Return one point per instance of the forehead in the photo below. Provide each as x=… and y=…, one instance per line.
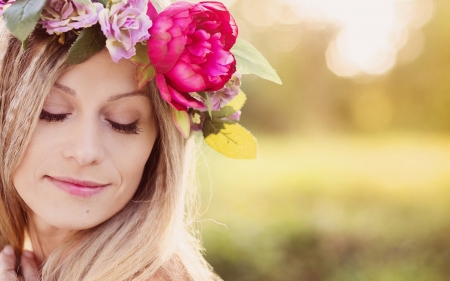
x=100, y=74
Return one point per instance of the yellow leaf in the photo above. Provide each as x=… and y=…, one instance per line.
x=238, y=101
x=230, y=139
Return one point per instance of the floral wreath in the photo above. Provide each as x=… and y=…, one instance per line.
x=191, y=50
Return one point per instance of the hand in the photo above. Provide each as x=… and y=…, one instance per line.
x=28, y=265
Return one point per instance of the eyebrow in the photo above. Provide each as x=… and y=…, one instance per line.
x=73, y=93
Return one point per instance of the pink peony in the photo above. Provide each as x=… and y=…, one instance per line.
x=3, y=3
x=189, y=47
x=125, y=24
x=64, y=15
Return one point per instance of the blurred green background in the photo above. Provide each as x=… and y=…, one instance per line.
x=353, y=176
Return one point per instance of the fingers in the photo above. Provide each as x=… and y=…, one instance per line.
x=7, y=264
x=29, y=266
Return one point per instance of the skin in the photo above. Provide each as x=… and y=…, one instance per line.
x=87, y=145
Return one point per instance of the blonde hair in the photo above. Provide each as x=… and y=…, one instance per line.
x=151, y=236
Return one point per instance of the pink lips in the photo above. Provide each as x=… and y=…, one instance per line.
x=77, y=187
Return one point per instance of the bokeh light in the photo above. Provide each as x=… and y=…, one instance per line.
x=372, y=33
x=369, y=36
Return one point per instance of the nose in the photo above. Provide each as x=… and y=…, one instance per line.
x=84, y=143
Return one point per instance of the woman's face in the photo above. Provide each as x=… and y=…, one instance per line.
x=87, y=154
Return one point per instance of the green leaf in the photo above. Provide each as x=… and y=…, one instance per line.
x=22, y=16
x=83, y=1
x=251, y=61
x=145, y=71
x=90, y=41
x=25, y=43
x=104, y=2
x=203, y=96
x=182, y=122
x=144, y=74
x=231, y=107
x=230, y=139
x=208, y=104
x=141, y=57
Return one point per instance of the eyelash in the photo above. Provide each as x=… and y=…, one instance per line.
x=131, y=129
x=50, y=117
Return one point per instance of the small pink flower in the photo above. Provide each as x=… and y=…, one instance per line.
x=64, y=15
x=125, y=24
x=235, y=117
x=219, y=99
x=190, y=47
x=3, y=3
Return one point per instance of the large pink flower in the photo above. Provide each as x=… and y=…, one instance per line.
x=189, y=47
x=65, y=15
x=124, y=24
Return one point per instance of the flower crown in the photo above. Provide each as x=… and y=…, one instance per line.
x=191, y=50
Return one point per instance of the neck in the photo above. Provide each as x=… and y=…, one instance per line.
x=45, y=237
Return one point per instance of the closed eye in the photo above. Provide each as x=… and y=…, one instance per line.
x=131, y=128
x=50, y=117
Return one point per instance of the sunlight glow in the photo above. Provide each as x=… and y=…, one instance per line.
x=371, y=34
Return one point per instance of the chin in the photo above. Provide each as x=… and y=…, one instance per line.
x=68, y=220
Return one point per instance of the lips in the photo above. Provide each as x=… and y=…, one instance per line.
x=76, y=187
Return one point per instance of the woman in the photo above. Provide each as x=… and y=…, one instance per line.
x=117, y=231
x=94, y=171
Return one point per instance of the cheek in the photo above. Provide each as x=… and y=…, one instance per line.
x=36, y=153
x=25, y=177
x=131, y=161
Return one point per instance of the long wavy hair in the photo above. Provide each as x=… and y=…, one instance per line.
x=152, y=236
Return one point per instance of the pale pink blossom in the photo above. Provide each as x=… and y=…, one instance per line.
x=125, y=24
x=64, y=15
x=219, y=99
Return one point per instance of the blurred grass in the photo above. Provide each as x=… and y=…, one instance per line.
x=330, y=208
x=357, y=203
